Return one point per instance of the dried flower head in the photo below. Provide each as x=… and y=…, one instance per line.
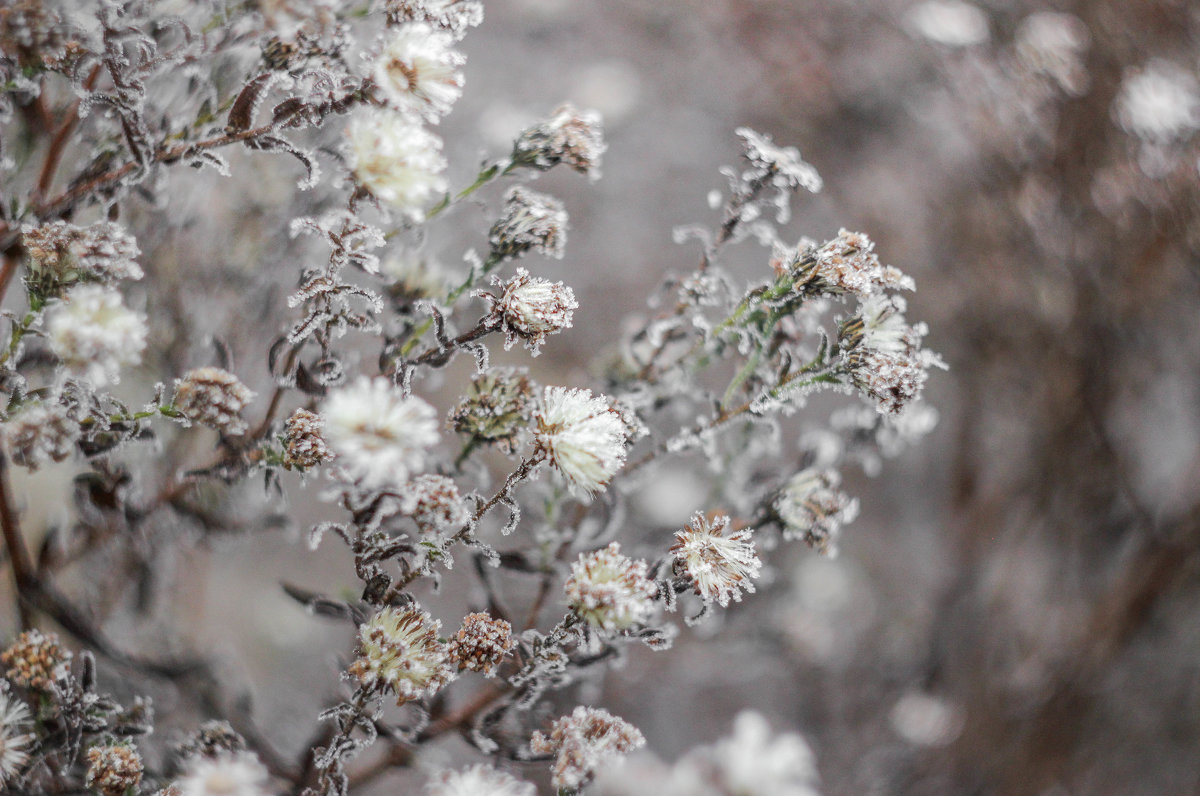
x=213, y=397
x=399, y=651
x=61, y=254
x=419, y=71
x=226, y=774
x=584, y=437
x=478, y=780
x=568, y=136
x=720, y=567
x=482, y=643
x=610, y=590
x=36, y=661
x=94, y=334
x=14, y=741
x=848, y=264
x=397, y=160
x=114, y=769
x=379, y=435
x=213, y=739
x=434, y=503
x=812, y=508
x=584, y=741
x=531, y=221
x=530, y=308
x=781, y=167
x=304, y=441
x=892, y=381
x=452, y=16
x=38, y=433
x=496, y=407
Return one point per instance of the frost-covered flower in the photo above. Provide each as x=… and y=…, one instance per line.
x=478, y=780
x=583, y=742
x=38, y=433
x=14, y=741
x=609, y=590
x=880, y=326
x=583, y=436
x=94, y=334
x=812, y=508
x=530, y=308
x=949, y=22
x=35, y=660
x=379, y=436
x=452, y=16
x=397, y=160
x=224, y=775
x=399, y=651
x=496, y=407
x=434, y=503
x=213, y=397
x=482, y=643
x=419, y=71
x=61, y=253
x=304, y=440
x=569, y=136
x=720, y=567
x=531, y=221
x=114, y=769
x=1159, y=103
x=892, y=380
x=848, y=264
x=754, y=761
x=781, y=166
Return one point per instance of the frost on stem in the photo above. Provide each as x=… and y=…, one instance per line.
x=583, y=742
x=529, y=309
x=397, y=160
x=379, y=436
x=531, y=221
x=585, y=437
x=94, y=334
x=400, y=652
x=213, y=397
x=610, y=591
x=720, y=567
x=812, y=508
x=419, y=71
x=570, y=137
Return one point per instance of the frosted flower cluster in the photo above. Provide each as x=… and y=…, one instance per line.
x=583, y=742
x=584, y=437
x=720, y=566
x=530, y=308
x=213, y=397
x=419, y=71
x=36, y=660
x=226, y=774
x=754, y=761
x=610, y=591
x=478, y=780
x=883, y=353
x=400, y=652
x=94, y=335
x=379, y=436
x=434, y=503
x=304, y=440
x=781, y=166
x=397, y=160
x=482, y=643
x=452, y=16
x=114, y=770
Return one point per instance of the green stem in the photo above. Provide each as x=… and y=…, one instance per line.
x=18, y=332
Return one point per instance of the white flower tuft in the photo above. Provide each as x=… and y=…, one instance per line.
x=378, y=435
x=238, y=774
x=609, y=590
x=94, y=334
x=399, y=650
x=420, y=72
x=478, y=780
x=13, y=740
x=720, y=567
x=397, y=160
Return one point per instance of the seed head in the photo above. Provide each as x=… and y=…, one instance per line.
x=61, y=254
x=399, y=651
x=847, y=264
x=531, y=221
x=36, y=661
x=720, y=567
x=304, y=440
x=213, y=397
x=482, y=643
x=585, y=437
x=568, y=137
x=39, y=433
x=434, y=503
x=609, y=590
x=530, y=308
x=780, y=166
x=812, y=508
x=496, y=407
x=114, y=770
x=584, y=741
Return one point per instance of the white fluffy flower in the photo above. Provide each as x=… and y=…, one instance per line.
x=94, y=334
x=584, y=437
x=1160, y=103
x=720, y=567
x=379, y=436
x=396, y=159
x=224, y=775
x=478, y=780
x=883, y=325
x=419, y=71
x=13, y=741
x=754, y=761
x=610, y=590
x=949, y=22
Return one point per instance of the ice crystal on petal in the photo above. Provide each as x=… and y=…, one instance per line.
x=397, y=160
x=812, y=508
x=94, y=334
x=610, y=590
x=583, y=742
x=419, y=71
x=379, y=436
x=224, y=775
x=719, y=566
x=399, y=651
x=583, y=436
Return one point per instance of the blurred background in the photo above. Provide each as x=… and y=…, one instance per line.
x=1017, y=609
